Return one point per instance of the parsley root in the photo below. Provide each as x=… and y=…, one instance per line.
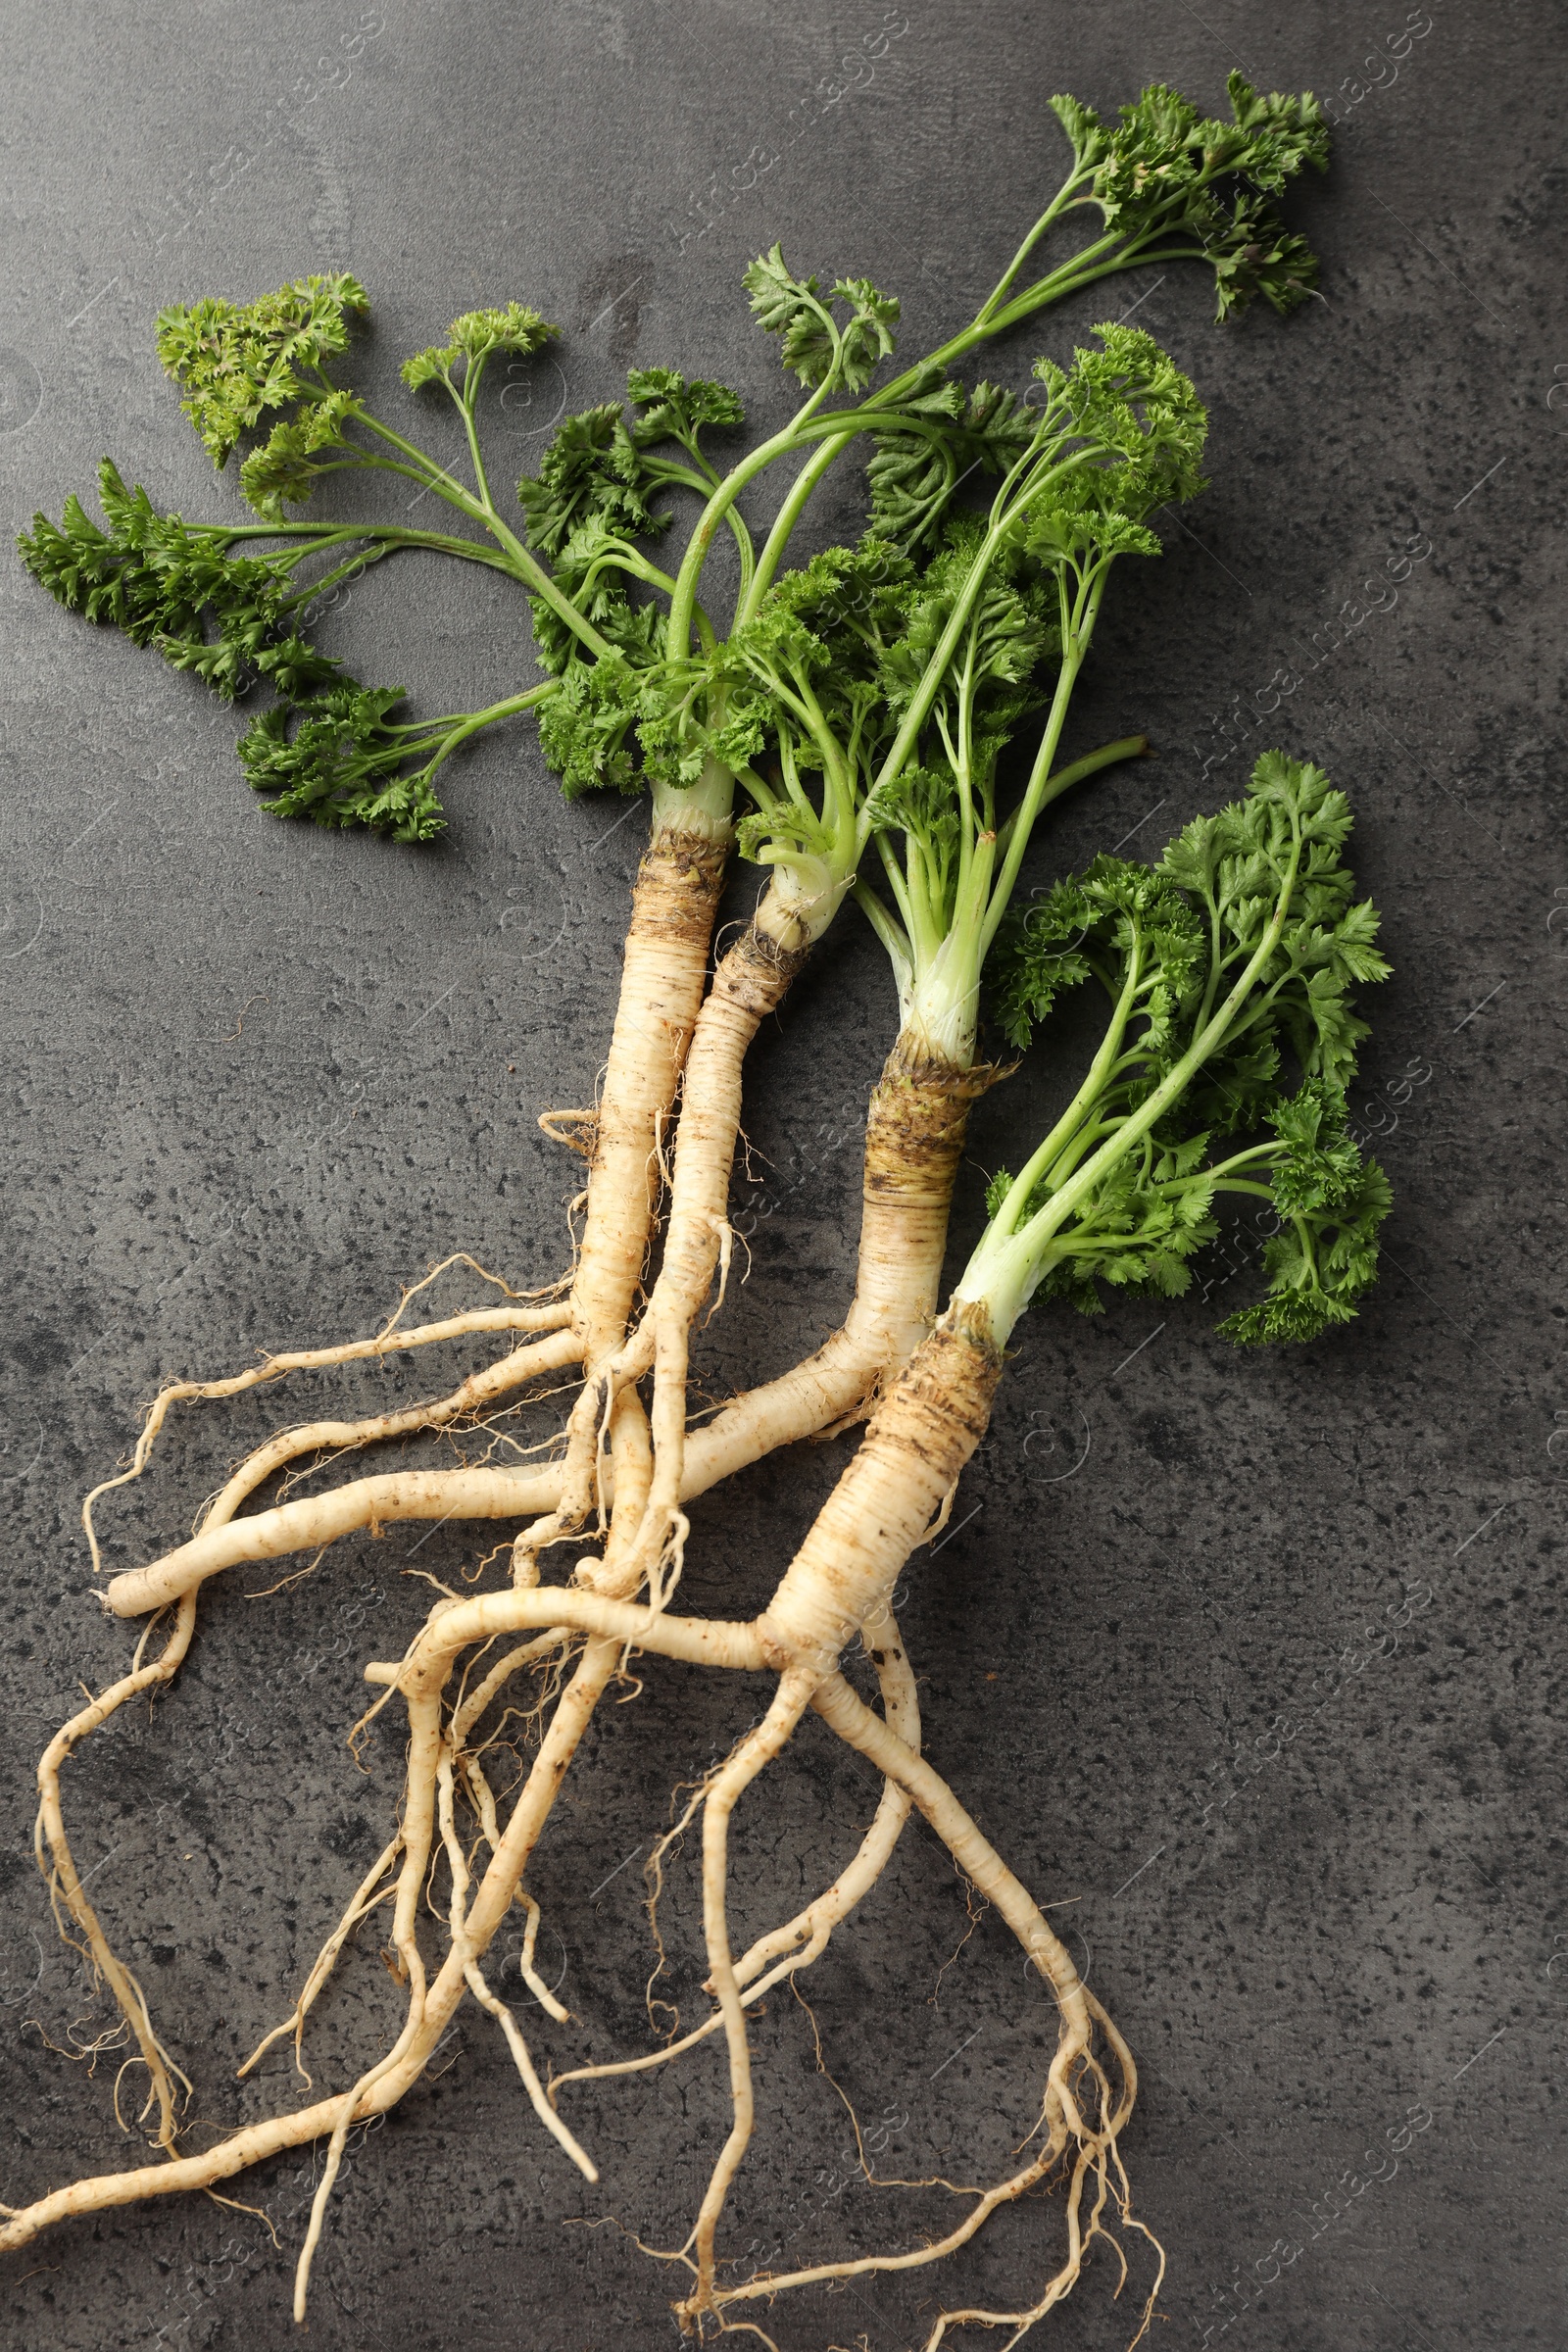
x=843, y=726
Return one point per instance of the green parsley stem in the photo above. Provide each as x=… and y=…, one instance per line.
x=524, y=564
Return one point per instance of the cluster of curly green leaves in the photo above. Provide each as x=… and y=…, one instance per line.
x=261, y=368
x=235, y=360
x=229, y=619
x=336, y=757
x=596, y=494
x=835, y=653
x=1167, y=177
x=1015, y=631
x=803, y=691
x=1164, y=174
x=815, y=682
x=342, y=759
x=956, y=434
x=1184, y=931
x=653, y=710
x=470, y=342
x=325, y=748
x=1132, y=403
x=815, y=342
x=1119, y=435
x=328, y=748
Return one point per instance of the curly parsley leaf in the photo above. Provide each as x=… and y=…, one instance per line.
x=288, y=464
x=1169, y=179
x=814, y=343
x=591, y=471
x=584, y=729
x=1013, y=626
x=1235, y=862
x=1039, y=952
x=1325, y=1254
x=472, y=339
x=1241, y=945
x=340, y=760
x=1130, y=401
x=235, y=360
x=228, y=620
x=674, y=409
x=953, y=435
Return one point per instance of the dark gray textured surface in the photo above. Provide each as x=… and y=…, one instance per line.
x=256, y=1077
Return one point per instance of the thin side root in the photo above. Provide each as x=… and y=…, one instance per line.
x=474, y=1974
x=368, y=1893
x=525, y=2067
x=804, y=1938
x=529, y=1974
x=752, y=1755
x=1084, y=2112
x=549, y=1354
x=388, y=1340
x=64, y=1883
